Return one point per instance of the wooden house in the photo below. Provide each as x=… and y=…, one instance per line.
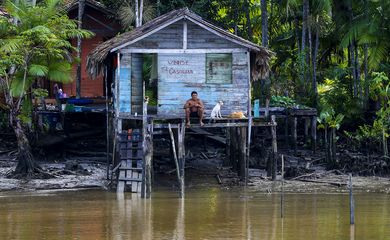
x=185, y=53
x=189, y=54
x=98, y=19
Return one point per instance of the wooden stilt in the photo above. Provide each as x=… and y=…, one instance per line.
x=294, y=132
x=121, y=184
x=306, y=132
x=242, y=138
x=233, y=148
x=148, y=160
x=175, y=156
x=274, y=148
x=286, y=138
x=248, y=147
x=181, y=156
x=314, y=133
x=226, y=161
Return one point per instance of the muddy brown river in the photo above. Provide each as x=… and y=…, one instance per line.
x=209, y=213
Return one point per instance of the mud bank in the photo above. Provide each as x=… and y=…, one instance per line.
x=93, y=175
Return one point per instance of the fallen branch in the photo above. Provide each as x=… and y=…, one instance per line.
x=326, y=182
x=311, y=174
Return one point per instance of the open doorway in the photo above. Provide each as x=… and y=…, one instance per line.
x=150, y=77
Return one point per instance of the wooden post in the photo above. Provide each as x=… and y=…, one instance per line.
x=149, y=160
x=274, y=148
x=175, y=155
x=314, y=133
x=242, y=138
x=351, y=202
x=145, y=144
x=181, y=155
x=307, y=126
x=294, y=132
x=233, y=147
x=266, y=113
x=121, y=184
x=250, y=120
x=286, y=138
x=226, y=161
x=282, y=195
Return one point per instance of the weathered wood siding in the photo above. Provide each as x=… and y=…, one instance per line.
x=167, y=38
x=136, y=83
x=180, y=74
x=199, y=37
x=177, y=81
x=124, y=84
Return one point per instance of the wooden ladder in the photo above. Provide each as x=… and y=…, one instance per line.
x=131, y=161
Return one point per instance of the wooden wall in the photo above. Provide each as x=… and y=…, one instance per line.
x=181, y=73
x=176, y=82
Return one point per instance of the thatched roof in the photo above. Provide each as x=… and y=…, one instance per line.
x=3, y=12
x=73, y=4
x=96, y=58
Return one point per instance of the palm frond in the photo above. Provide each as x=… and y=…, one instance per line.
x=377, y=54
x=38, y=70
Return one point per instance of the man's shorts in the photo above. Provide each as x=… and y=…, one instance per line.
x=194, y=114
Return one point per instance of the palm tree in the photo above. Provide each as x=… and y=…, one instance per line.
x=264, y=23
x=37, y=46
x=136, y=13
x=80, y=15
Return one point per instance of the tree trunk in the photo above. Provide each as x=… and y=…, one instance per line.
x=352, y=66
x=141, y=10
x=309, y=54
x=137, y=13
x=365, y=62
x=327, y=157
x=81, y=6
x=314, y=83
x=357, y=69
x=248, y=20
x=264, y=23
x=235, y=17
x=26, y=164
x=333, y=142
x=366, y=85
x=304, y=30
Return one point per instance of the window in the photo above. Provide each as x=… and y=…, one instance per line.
x=219, y=68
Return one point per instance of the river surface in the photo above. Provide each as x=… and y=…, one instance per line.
x=209, y=213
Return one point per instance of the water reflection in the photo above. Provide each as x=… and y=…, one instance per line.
x=203, y=214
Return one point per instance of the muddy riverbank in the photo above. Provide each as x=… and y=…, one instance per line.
x=93, y=175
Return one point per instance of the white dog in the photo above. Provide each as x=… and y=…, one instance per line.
x=216, y=113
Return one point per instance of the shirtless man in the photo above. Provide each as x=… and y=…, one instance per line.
x=194, y=108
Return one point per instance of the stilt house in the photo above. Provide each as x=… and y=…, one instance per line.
x=187, y=54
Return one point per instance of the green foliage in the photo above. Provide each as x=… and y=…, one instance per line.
x=329, y=119
x=283, y=101
x=36, y=47
x=34, y=44
x=39, y=92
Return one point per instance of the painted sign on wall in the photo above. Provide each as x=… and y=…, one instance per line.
x=183, y=67
x=219, y=68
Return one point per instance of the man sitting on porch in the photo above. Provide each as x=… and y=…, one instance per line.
x=194, y=108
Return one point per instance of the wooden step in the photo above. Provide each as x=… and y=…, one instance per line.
x=130, y=179
x=131, y=158
x=130, y=168
x=131, y=148
x=129, y=141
